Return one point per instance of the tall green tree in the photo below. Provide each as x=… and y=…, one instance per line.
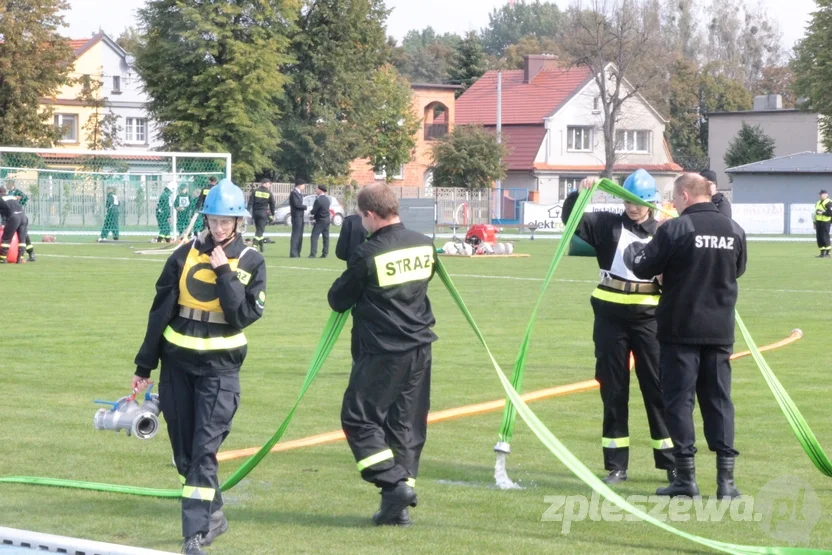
x=426, y=57
x=212, y=73
x=812, y=67
x=390, y=121
x=34, y=63
x=130, y=40
x=470, y=156
x=510, y=23
x=470, y=63
x=750, y=145
x=683, y=126
x=336, y=49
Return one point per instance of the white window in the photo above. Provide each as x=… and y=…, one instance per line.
x=116, y=83
x=135, y=130
x=579, y=138
x=68, y=124
x=383, y=174
x=632, y=141
x=567, y=185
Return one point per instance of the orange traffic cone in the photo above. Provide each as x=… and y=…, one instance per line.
x=12, y=257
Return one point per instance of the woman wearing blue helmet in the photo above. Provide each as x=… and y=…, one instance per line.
x=625, y=322
x=208, y=292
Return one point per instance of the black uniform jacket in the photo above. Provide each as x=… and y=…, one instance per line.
x=296, y=205
x=241, y=296
x=386, y=285
x=700, y=255
x=722, y=204
x=320, y=209
x=352, y=234
x=261, y=200
x=9, y=206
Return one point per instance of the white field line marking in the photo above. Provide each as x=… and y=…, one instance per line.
x=473, y=276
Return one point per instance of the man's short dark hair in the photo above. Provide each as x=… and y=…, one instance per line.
x=695, y=185
x=300, y=180
x=379, y=199
x=321, y=188
x=265, y=180
x=710, y=175
x=213, y=180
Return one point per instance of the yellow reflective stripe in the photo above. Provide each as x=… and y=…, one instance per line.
x=405, y=265
x=665, y=443
x=615, y=442
x=202, y=494
x=261, y=194
x=624, y=298
x=182, y=479
x=411, y=482
x=375, y=459
x=204, y=343
x=5, y=244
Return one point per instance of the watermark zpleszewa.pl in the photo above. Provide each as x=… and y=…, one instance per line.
x=786, y=508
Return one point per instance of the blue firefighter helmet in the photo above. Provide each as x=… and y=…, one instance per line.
x=225, y=199
x=642, y=185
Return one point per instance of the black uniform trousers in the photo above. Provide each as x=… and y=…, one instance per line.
x=297, y=234
x=617, y=333
x=704, y=372
x=198, y=410
x=16, y=223
x=321, y=228
x=822, y=233
x=261, y=220
x=385, y=414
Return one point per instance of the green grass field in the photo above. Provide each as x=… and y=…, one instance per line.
x=74, y=320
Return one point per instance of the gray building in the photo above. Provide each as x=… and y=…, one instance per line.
x=792, y=131
x=790, y=180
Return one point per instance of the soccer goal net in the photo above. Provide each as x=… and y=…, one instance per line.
x=85, y=192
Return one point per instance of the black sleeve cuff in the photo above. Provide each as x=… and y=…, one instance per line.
x=224, y=269
x=143, y=372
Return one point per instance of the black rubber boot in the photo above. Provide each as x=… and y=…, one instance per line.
x=615, y=477
x=402, y=520
x=725, y=488
x=685, y=482
x=393, y=501
x=671, y=475
x=218, y=526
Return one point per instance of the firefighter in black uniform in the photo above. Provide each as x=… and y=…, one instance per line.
x=200, y=201
x=385, y=407
x=14, y=221
x=261, y=205
x=297, y=211
x=625, y=308
x=322, y=217
x=24, y=198
x=209, y=290
x=717, y=198
x=821, y=220
x=700, y=255
x=351, y=236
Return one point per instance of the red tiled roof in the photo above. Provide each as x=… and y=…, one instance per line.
x=523, y=142
x=523, y=103
x=75, y=44
x=68, y=156
x=670, y=167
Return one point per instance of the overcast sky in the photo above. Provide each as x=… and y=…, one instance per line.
x=86, y=16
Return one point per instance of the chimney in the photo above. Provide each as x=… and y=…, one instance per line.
x=534, y=64
x=768, y=102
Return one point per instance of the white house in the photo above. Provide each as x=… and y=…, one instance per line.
x=552, y=124
x=103, y=60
